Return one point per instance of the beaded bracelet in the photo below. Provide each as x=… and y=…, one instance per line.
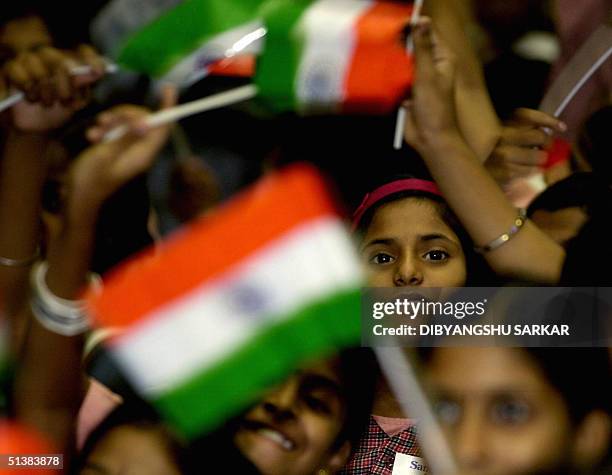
x=519, y=221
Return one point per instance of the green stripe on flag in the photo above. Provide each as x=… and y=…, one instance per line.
x=234, y=383
x=279, y=62
x=158, y=46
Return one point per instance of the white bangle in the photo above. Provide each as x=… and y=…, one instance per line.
x=62, y=316
x=10, y=262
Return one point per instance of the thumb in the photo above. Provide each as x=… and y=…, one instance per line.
x=168, y=99
x=410, y=128
x=444, y=61
x=169, y=96
x=424, y=50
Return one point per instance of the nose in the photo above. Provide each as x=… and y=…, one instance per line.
x=281, y=402
x=408, y=273
x=470, y=439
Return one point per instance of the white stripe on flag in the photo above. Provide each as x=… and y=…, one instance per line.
x=313, y=261
x=328, y=32
x=192, y=68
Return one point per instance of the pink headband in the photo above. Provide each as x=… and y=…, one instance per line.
x=397, y=186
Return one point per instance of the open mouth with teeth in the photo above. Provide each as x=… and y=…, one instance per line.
x=270, y=433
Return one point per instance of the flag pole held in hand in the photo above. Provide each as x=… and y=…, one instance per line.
x=400, y=121
x=173, y=114
x=18, y=96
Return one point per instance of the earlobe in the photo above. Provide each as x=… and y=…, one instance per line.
x=592, y=439
x=337, y=459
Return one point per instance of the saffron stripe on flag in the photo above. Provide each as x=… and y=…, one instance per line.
x=311, y=261
x=294, y=196
x=210, y=349
x=327, y=30
x=371, y=71
x=334, y=56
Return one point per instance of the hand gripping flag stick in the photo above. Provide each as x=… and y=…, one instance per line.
x=18, y=96
x=400, y=121
x=173, y=114
x=595, y=51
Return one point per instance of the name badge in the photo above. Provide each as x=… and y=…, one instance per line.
x=408, y=465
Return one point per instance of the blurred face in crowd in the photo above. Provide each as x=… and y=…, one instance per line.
x=502, y=416
x=409, y=244
x=294, y=430
x=131, y=450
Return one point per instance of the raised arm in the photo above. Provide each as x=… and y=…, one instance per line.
x=470, y=190
x=53, y=96
x=50, y=381
x=452, y=20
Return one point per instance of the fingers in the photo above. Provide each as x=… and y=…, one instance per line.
x=17, y=75
x=445, y=62
x=169, y=96
x=504, y=172
x=126, y=115
x=90, y=57
x=521, y=156
x=168, y=99
x=42, y=75
x=45, y=75
x=525, y=137
x=534, y=118
x=410, y=127
x=424, y=50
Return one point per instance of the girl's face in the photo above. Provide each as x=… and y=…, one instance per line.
x=293, y=430
x=499, y=412
x=409, y=244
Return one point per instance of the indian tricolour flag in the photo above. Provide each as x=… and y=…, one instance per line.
x=236, y=301
x=334, y=55
x=184, y=42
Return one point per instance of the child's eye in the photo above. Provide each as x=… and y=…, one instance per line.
x=511, y=412
x=448, y=412
x=436, y=255
x=317, y=404
x=382, y=258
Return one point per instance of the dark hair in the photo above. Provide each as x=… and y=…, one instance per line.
x=591, y=193
x=477, y=270
x=188, y=457
x=17, y=10
x=139, y=415
x=582, y=189
x=594, y=142
x=581, y=375
x=580, y=267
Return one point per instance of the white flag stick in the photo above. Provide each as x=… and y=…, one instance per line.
x=587, y=60
x=173, y=114
x=400, y=120
x=407, y=390
x=582, y=82
x=11, y=100
x=18, y=96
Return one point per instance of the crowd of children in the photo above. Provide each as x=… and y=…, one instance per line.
x=454, y=207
